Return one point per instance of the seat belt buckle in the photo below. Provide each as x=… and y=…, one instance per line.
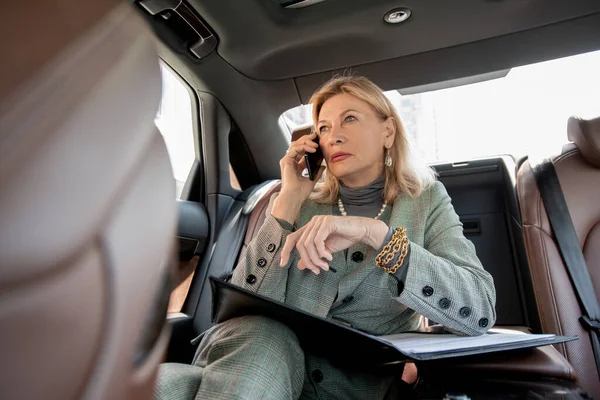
x=590, y=324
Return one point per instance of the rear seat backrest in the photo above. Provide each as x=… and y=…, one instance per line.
x=578, y=169
x=483, y=195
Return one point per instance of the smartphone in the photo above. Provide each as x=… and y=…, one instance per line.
x=313, y=160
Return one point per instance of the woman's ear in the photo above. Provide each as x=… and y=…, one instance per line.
x=390, y=131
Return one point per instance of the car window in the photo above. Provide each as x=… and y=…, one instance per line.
x=233, y=180
x=174, y=121
x=523, y=113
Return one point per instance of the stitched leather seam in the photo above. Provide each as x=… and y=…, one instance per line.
x=564, y=156
x=538, y=209
x=534, y=273
x=551, y=289
x=588, y=235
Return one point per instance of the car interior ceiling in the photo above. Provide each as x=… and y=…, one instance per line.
x=270, y=58
x=265, y=63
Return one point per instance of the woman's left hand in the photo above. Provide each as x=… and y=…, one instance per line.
x=327, y=234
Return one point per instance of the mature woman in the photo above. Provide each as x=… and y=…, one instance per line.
x=382, y=222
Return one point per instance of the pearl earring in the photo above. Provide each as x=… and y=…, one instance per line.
x=388, y=158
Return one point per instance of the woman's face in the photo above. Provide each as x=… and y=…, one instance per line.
x=353, y=138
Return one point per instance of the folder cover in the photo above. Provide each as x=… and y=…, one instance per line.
x=347, y=346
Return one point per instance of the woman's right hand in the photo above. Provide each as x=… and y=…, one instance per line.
x=292, y=165
x=295, y=188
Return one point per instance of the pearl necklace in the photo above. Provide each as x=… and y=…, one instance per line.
x=345, y=214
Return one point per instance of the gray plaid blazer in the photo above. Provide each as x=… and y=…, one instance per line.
x=445, y=281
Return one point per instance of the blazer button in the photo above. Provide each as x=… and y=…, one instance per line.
x=483, y=323
x=464, y=312
x=271, y=248
x=251, y=279
x=357, y=256
x=427, y=291
x=444, y=303
x=261, y=262
x=317, y=376
x=348, y=299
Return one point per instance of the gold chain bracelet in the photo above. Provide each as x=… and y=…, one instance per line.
x=398, y=244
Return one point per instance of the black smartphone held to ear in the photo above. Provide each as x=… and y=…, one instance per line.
x=313, y=160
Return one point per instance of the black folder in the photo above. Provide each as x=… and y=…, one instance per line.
x=347, y=346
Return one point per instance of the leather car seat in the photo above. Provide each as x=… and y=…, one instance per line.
x=87, y=203
x=578, y=169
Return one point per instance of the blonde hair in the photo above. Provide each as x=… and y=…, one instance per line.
x=407, y=175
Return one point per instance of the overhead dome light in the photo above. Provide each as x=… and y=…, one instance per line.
x=397, y=15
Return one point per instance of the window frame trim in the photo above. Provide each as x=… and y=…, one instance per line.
x=193, y=187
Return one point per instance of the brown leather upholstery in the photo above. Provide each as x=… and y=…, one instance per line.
x=87, y=203
x=586, y=134
x=578, y=170
x=529, y=364
x=532, y=364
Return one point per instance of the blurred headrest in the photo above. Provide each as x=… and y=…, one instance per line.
x=586, y=135
x=43, y=29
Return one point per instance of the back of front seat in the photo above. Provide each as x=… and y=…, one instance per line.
x=578, y=169
x=87, y=203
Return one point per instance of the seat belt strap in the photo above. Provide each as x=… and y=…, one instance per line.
x=570, y=250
